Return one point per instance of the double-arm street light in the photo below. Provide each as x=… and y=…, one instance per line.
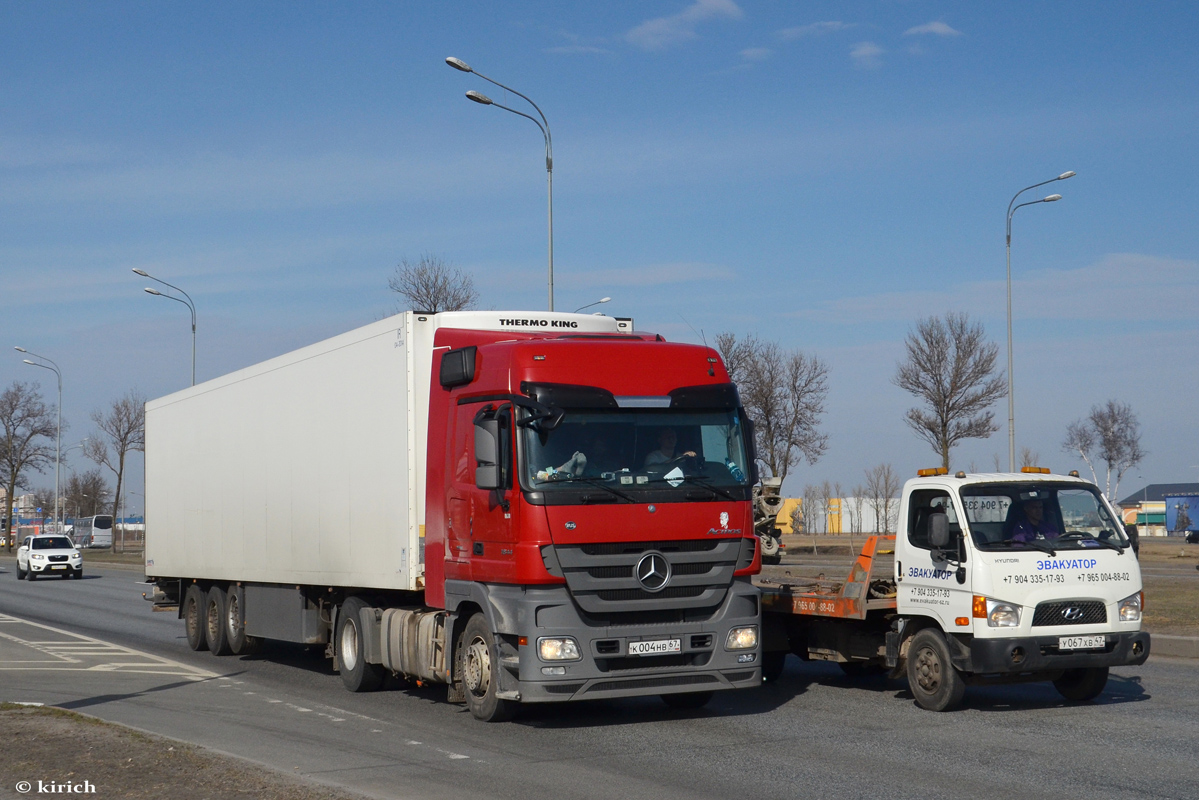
x=1011, y=389
x=544, y=125
x=187, y=302
x=58, y=443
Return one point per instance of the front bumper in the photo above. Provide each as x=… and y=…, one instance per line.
x=54, y=569
x=1041, y=654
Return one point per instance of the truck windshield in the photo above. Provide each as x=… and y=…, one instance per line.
x=633, y=451
x=1037, y=516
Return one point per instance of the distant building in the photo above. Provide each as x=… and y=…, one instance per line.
x=1146, y=508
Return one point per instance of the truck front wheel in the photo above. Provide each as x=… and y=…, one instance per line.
x=934, y=682
x=1082, y=684
x=480, y=673
x=356, y=673
x=193, y=617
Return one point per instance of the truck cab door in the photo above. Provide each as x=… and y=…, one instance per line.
x=933, y=581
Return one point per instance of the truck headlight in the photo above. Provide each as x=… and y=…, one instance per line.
x=745, y=638
x=558, y=649
x=1130, y=608
x=1002, y=615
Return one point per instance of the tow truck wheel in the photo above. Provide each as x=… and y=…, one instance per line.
x=687, y=700
x=214, y=621
x=356, y=673
x=1082, y=684
x=480, y=673
x=934, y=682
x=193, y=618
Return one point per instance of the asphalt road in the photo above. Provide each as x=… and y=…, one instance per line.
x=94, y=646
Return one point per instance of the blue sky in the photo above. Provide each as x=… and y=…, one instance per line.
x=822, y=174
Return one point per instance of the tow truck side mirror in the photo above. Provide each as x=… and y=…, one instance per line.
x=938, y=530
x=487, y=453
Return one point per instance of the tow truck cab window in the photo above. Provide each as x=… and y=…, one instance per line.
x=923, y=504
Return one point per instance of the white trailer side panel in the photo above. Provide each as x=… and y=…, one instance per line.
x=302, y=469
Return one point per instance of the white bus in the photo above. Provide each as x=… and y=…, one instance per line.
x=93, y=531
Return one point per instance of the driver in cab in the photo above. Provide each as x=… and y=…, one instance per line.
x=1034, y=523
x=667, y=440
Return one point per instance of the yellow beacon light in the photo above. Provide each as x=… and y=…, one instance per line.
x=931, y=471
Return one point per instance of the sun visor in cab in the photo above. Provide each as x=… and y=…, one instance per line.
x=712, y=395
x=565, y=395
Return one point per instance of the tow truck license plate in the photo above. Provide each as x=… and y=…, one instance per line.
x=656, y=647
x=1080, y=643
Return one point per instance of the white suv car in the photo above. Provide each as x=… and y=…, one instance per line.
x=48, y=555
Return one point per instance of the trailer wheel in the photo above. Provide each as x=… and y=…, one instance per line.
x=1082, y=684
x=934, y=682
x=235, y=625
x=356, y=673
x=773, y=662
x=687, y=700
x=214, y=621
x=481, y=673
x=193, y=617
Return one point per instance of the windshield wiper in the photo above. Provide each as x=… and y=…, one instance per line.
x=706, y=482
x=1084, y=536
x=1044, y=548
x=590, y=482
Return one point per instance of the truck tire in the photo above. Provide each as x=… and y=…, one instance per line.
x=193, y=617
x=240, y=644
x=214, y=621
x=356, y=673
x=1082, y=684
x=687, y=700
x=773, y=662
x=770, y=550
x=933, y=681
x=481, y=673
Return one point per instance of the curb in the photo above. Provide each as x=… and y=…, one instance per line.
x=1163, y=644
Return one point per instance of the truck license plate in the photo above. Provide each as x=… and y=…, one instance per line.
x=656, y=648
x=1080, y=643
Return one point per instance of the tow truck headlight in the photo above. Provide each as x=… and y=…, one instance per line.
x=745, y=638
x=1002, y=615
x=558, y=649
x=1130, y=608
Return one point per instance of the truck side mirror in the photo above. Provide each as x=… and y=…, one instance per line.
x=487, y=453
x=938, y=530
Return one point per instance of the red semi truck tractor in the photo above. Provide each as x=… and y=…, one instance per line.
x=527, y=507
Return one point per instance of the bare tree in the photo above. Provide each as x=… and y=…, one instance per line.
x=1029, y=457
x=122, y=430
x=433, y=285
x=882, y=484
x=950, y=366
x=859, y=496
x=28, y=442
x=85, y=492
x=1111, y=434
x=783, y=392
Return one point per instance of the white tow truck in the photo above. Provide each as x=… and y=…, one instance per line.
x=995, y=578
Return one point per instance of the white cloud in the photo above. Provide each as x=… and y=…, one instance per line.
x=756, y=53
x=934, y=28
x=576, y=49
x=866, y=55
x=814, y=29
x=662, y=32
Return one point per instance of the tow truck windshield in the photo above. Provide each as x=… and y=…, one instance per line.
x=1040, y=516
x=630, y=452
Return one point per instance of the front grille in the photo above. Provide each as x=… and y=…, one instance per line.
x=640, y=594
x=1080, y=612
x=649, y=662
x=602, y=576
x=58, y=558
x=562, y=688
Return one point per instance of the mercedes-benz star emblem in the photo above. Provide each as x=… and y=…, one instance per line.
x=1072, y=613
x=653, y=572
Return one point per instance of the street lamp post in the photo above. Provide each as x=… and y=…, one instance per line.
x=188, y=302
x=544, y=125
x=596, y=303
x=58, y=442
x=1011, y=386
